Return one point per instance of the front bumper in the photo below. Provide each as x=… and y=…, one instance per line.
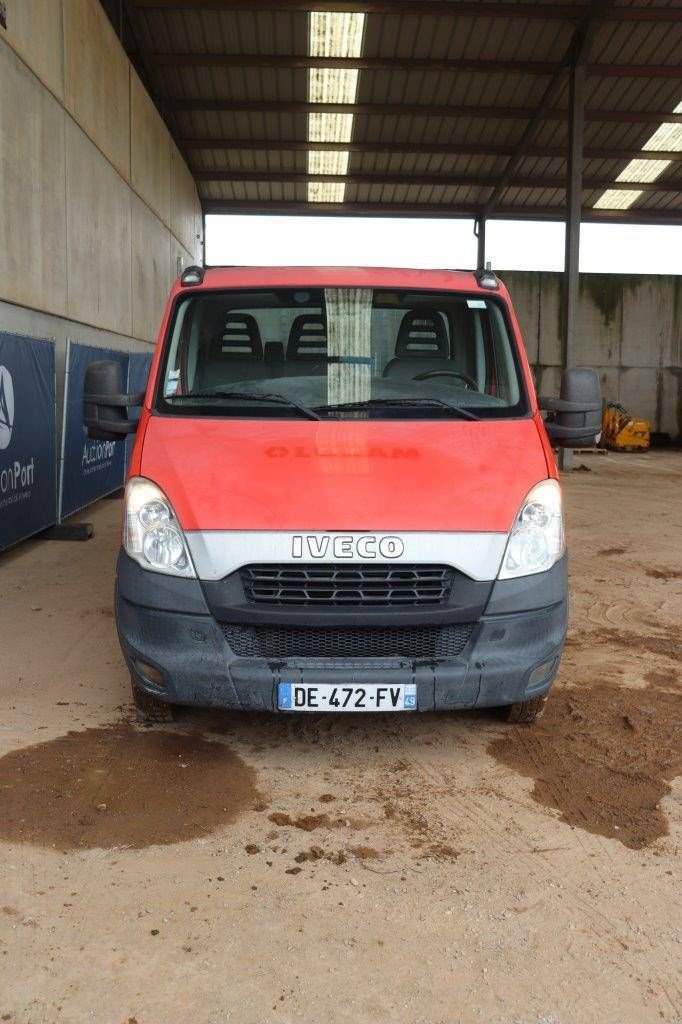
x=512, y=654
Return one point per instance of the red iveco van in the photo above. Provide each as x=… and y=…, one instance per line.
x=342, y=496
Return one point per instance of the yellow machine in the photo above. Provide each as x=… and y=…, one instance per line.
x=621, y=433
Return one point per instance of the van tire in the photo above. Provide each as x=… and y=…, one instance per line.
x=151, y=710
x=525, y=712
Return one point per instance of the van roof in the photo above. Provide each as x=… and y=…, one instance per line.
x=359, y=277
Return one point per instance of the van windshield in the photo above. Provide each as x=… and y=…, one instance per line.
x=341, y=353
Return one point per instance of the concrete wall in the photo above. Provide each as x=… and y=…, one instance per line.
x=97, y=203
x=630, y=331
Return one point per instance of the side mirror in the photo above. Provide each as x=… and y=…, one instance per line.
x=575, y=417
x=104, y=404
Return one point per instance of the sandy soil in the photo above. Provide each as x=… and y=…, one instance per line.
x=415, y=869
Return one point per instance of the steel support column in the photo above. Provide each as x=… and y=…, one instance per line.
x=479, y=231
x=574, y=187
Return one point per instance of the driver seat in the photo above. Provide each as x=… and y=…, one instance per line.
x=422, y=345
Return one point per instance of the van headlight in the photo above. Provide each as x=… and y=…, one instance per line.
x=536, y=540
x=152, y=534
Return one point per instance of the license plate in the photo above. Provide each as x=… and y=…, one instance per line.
x=328, y=697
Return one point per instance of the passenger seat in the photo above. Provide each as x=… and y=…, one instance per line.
x=235, y=353
x=422, y=345
x=308, y=343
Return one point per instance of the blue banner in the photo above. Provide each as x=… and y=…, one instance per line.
x=90, y=469
x=28, y=491
x=139, y=366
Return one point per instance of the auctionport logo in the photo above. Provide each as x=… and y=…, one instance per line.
x=6, y=407
x=16, y=478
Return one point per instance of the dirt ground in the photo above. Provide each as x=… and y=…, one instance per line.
x=411, y=869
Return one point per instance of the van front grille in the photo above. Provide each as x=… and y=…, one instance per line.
x=335, y=585
x=348, y=642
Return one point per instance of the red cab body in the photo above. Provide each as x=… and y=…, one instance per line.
x=310, y=493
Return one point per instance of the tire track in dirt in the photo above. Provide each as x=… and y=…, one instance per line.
x=603, y=927
x=604, y=756
x=580, y=771
x=582, y=775
x=591, y=863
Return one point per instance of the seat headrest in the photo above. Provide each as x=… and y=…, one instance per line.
x=239, y=338
x=307, y=338
x=422, y=333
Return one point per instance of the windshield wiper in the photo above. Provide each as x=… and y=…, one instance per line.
x=250, y=396
x=400, y=403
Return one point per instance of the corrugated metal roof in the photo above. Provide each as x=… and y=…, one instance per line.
x=217, y=113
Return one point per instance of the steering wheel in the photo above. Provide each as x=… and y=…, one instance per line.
x=448, y=373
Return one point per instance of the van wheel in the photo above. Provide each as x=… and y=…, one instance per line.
x=151, y=710
x=525, y=711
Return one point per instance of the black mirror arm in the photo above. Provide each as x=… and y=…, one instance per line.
x=557, y=432
x=121, y=427
x=120, y=401
x=563, y=405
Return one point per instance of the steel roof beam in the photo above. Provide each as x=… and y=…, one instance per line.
x=444, y=210
x=420, y=148
x=452, y=180
x=417, y=110
x=520, y=67
x=576, y=53
x=434, y=8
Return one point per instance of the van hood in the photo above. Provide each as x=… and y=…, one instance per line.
x=230, y=474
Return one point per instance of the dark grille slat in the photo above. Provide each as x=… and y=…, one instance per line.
x=334, y=584
x=347, y=642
